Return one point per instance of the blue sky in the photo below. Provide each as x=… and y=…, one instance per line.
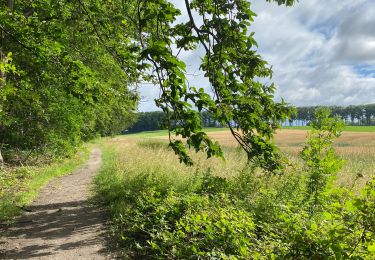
x=322, y=52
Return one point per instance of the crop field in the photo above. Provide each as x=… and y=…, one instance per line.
x=356, y=147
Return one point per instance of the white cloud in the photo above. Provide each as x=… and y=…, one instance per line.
x=322, y=52
x=316, y=48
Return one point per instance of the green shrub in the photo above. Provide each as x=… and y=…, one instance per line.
x=212, y=231
x=319, y=156
x=213, y=185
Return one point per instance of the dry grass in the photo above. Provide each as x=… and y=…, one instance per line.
x=357, y=148
x=153, y=155
x=349, y=142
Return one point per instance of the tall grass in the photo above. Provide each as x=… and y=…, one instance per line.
x=217, y=209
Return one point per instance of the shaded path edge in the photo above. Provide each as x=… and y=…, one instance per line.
x=62, y=223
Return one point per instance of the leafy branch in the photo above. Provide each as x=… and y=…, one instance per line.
x=232, y=66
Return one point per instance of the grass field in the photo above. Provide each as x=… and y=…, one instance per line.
x=355, y=145
x=214, y=129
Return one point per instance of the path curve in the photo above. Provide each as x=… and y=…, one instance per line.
x=61, y=223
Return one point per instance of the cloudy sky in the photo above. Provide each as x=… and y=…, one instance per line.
x=322, y=52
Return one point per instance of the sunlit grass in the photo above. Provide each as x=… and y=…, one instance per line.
x=357, y=148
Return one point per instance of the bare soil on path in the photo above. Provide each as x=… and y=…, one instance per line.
x=61, y=223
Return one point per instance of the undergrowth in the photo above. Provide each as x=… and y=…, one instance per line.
x=163, y=210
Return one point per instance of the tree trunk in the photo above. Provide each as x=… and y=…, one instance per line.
x=3, y=55
x=11, y=4
x=1, y=159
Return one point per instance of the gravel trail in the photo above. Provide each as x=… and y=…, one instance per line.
x=60, y=223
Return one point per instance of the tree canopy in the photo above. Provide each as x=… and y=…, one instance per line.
x=67, y=67
x=60, y=84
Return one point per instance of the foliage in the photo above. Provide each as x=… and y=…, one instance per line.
x=148, y=121
x=67, y=88
x=208, y=230
x=231, y=65
x=319, y=155
x=72, y=86
x=366, y=218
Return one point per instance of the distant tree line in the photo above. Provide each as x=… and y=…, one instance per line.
x=148, y=121
x=363, y=115
x=156, y=120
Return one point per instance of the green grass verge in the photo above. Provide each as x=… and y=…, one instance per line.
x=19, y=186
x=148, y=134
x=157, y=133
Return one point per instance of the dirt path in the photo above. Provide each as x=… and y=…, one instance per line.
x=61, y=223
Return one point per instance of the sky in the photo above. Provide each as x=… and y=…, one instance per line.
x=321, y=52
